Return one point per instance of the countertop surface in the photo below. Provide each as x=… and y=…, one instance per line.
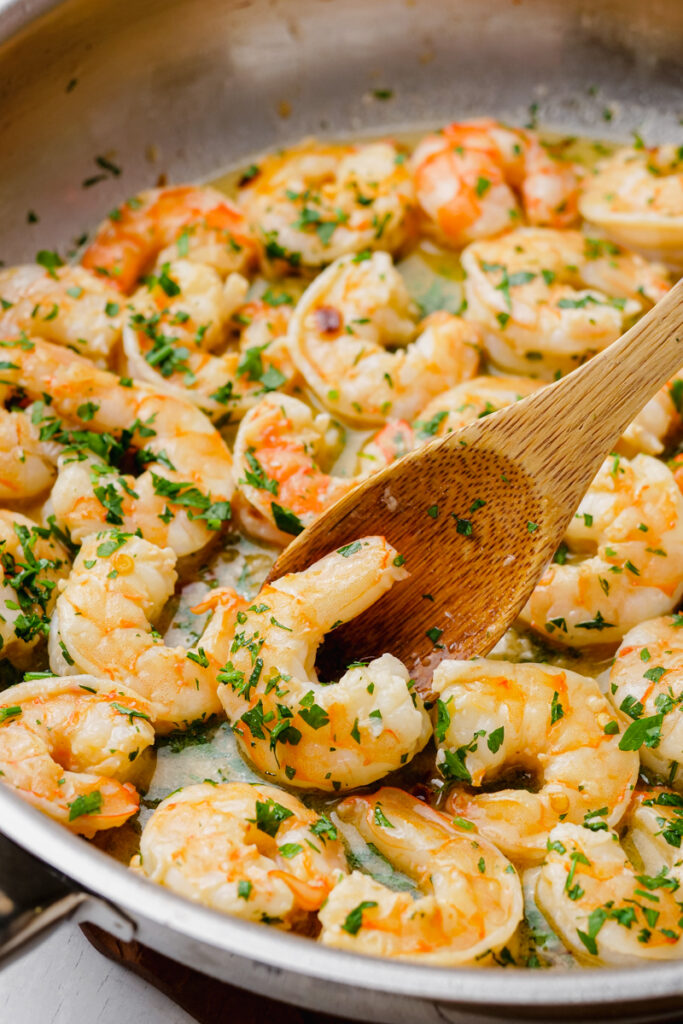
x=65, y=981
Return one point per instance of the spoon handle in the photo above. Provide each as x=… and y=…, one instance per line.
x=565, y=430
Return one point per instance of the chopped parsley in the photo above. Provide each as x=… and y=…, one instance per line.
x=88, y=803
x=354, y=919
x=286, y=520
x=270, y=815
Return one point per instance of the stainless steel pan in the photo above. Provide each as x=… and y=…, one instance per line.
x=183, y=88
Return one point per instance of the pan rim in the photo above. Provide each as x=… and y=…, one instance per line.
x=141, y=900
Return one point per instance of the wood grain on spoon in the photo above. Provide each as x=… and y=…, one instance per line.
x=479, y=513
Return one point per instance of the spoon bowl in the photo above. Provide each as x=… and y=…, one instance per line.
x=476, y=522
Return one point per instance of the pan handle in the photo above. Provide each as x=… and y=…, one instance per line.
x=35, y=899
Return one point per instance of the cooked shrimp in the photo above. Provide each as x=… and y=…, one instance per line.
x=393, y=441
x=248, y=850
x=277, y=449
x=170, y=341
x=547, y=300
x=159, y=225
x=293, y=728
x=628, y=538
x=31, y=562
x=102, y=624
x=601, y=906
x=66, y=305
x=342, y=326
x=181, y=500
x=469, y=175
x=470, y=898
x=657, y=423
x=68, y=744
x=463, y=404
x=655, y=828
x=646, y=682
x=636, y=197
x=494, y=719
x=476, y=398
x=318, y=201
x=27, y=464
x=471, y=401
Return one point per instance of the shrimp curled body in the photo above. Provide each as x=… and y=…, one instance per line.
x=339, y=335
x=160, y=225
x=66, y=305
x=118, y=585
x=27, y=464
x=546, y=300
x=180, y=500
x=636, y=197
x=31, y=563
x=622, y=561
x=296, y=730
x=68, y=744
x=468, y=176
x=183, y=344
x=647, y=680
x=603, y=908
x=317, y=202
x=252, y=851
x=494, y=717
x=276, y=450
x=470, y=900
x=455, y=408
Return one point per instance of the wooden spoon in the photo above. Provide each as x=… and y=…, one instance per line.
x=479, y=513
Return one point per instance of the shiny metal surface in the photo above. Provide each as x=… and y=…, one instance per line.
x=182, y=88
x=297, y=970
x=185, y=87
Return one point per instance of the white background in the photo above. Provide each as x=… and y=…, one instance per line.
x=64, y=980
